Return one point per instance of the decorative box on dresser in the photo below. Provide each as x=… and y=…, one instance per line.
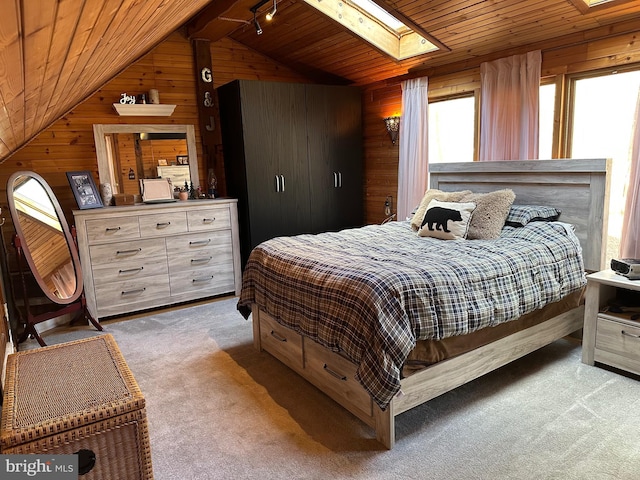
x=610, y=338
x=145, y=256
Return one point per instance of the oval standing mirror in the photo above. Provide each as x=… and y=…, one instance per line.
x=45, y=240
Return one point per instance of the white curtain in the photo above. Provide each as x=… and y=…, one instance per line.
x=630, y=240
x=412, y=169
x=509, y=107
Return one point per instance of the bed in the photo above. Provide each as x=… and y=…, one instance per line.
x=353, y=328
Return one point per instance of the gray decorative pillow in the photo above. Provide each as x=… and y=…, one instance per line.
x=520, y=215
x=490, y=213
x=447, y=220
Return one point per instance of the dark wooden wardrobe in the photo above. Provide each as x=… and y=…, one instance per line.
x=293, y=157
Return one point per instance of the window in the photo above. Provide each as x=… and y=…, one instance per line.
x=602, y=116
x=546, y=112
x=452, y=130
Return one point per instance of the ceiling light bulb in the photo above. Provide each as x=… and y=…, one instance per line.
x=269, y=16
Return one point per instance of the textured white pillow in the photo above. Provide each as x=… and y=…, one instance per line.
x=447, y=220
x=491, y=211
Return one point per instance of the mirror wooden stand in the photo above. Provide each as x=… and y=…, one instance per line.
x=44, y=242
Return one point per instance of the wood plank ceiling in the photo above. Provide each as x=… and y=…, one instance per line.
x=54, y=53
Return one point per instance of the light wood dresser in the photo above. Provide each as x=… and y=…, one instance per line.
x=144, y=256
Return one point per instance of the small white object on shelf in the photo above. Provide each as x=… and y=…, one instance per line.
x=144, y=109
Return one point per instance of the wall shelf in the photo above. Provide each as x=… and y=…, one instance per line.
x=144, y=109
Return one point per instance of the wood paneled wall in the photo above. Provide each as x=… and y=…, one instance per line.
x=608, y=51
x=68, y=144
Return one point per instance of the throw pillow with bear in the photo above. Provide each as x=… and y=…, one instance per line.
x=447, y=220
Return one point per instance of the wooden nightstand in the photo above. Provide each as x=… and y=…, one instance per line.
x=610, y=338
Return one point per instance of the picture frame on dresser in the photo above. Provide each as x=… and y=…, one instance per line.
x=84, y=190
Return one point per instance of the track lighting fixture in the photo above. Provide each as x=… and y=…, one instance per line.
x=255, y=8
x=256, y=24
x=269, y=15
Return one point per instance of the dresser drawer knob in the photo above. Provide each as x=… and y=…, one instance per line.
x=163, y=224
x=201, y=260
x=203, y=279
x=129, y=252
x=112, y=229
x=627, y=334
x=131, y=270
x=208, y=220
x=200, y=242
x=133, y=292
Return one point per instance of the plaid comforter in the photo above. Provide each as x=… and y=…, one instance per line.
x=371, y=292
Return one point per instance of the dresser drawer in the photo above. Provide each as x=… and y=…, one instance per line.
x=120, y=297
x=281, y=342
x=112, y=229
x=211, y=280
x=201, y=257
x=197, y=242
x=335, y=376
x=129, y=270
x=215, y=218
x=618, y=344
x=162, y=224
x=123, y=254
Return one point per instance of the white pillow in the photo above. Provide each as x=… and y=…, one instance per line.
x=447, y=220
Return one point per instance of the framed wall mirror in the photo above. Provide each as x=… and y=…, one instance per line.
x=44, y=241
x=128, y=153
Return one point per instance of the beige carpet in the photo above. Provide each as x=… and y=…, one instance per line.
x=218, y=409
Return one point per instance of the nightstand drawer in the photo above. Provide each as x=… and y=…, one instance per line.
x=618, y=344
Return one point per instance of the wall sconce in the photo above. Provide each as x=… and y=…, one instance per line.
x=393, y=127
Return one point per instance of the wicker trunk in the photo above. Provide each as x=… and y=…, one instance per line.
x=76, y=396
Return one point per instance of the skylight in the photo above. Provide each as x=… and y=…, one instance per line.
x=377, y=26
x=381, y=14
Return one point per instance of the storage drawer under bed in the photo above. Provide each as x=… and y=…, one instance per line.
x=281, y=342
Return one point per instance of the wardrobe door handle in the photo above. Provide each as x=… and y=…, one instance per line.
x=335, y=179
x=282, y=178
x=277, y=183
x=340, y=179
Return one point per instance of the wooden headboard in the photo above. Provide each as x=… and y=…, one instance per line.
x=579, y=188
